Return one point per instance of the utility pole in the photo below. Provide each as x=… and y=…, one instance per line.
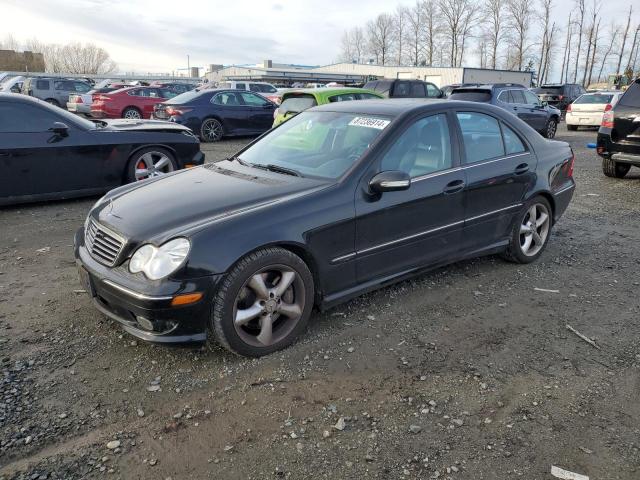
x=188, y=66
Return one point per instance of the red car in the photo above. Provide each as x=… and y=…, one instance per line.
x=131, y=102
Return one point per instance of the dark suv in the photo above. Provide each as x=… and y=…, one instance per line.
x=619, y=135
x=516, y=99
x=560, y=96
x=400, y=88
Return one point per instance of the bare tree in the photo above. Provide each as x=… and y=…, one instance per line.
x=73, y=58
x=352, y=45
x=630, y=63
x=432, y=29
x=415, y=36
x=519, y=17
x=359, y=43
x=614, y=31
x=400, y=28
x=9, y=42
x=593, y=52
x=547, y=6
x=346, y=47
x=494, y=28
x=580, y=23
x=380, y=35
x=549, y=51
x=567, y=52
x=457, y=16
x=624, y=40
x=592, y=34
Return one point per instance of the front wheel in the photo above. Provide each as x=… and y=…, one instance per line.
x=614, y=169
x=530, y=232
x=551, y=128
x=52, y=101
x=132, y=113
x=149, y=163
x=264, y=303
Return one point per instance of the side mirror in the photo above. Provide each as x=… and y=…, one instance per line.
x=390, y=181
x=60, y=128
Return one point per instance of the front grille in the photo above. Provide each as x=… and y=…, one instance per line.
x=103, y=244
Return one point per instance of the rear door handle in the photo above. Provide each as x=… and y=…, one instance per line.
x=522, y=168
x=454, y=187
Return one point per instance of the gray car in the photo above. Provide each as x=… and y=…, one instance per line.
x=55, y=91
x=515, y=99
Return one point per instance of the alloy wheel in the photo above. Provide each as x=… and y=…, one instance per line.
x=269, y=306
x=552, y=126
x=132, y=113
x=534, y=229
x=152, y=164
x=212, y=130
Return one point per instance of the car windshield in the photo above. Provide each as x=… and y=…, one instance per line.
x=316, y=144
x=595, y=99
x=68, y=117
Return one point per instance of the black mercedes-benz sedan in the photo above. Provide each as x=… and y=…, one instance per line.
x=339, y=200
x=48, y=153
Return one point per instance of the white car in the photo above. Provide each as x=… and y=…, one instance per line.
x=262, y=88
x=587, y=110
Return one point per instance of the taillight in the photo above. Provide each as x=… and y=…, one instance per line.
x=103, y=98
x=607, y=119
x=171, y=111
x=561, y=97
x=608, y=107
x=79, y=99
x=571, y=163
x=569, y=108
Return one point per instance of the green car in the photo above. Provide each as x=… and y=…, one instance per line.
x=296, y=101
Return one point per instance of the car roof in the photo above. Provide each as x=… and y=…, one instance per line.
x=327, y=92
x=393, y=107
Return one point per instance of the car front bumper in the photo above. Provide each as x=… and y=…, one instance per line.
x=143, y=308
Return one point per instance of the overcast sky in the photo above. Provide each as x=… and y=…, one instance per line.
x=157, y=35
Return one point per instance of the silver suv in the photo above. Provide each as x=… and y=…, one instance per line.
x=55, y=91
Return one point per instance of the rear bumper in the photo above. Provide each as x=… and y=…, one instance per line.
x=620, y=152
x=143, y=308
x=586, y=119
x=562, y=197
x=79, y=108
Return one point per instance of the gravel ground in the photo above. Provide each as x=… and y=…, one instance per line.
x=468, y=372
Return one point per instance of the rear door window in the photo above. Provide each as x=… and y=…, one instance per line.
x=42, y=84
x=481, y=136
x=631, y=97
x=253, y=100
x=418, y=90
x=228, y=99
x=402, y=89
x=512, y=142
x=517, y=96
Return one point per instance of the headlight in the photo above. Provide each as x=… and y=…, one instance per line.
x=158, y=262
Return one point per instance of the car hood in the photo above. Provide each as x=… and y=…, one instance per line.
x=187, y=201
x=122, y=124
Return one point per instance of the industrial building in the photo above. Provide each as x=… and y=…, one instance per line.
x=21, y=61
x=355, y=73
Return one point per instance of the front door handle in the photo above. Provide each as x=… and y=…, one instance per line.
x=454, y=187
x=522, y=168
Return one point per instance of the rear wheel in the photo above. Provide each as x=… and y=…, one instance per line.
x=551, y=128
x=264, y=303
x=614, y=169
x=150, y=163
x=573, y=128
x=132, y=113
x=530, y=232
x=211, y=130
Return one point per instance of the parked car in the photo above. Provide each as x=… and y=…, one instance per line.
x=130, y=102
x=340, y=200
x=176, y=87
x=619, y=135
x=265, y=89
x=55, y=91
x=400, y=88
x=587, y=110
x=560, y=95
x=296, y=101
x=48, y=153
x=12, y=84
x=217, y=113
x=515, y=99
x=81, y=102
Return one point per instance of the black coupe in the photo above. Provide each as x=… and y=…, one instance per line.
x=339, y=200
x=48, y=153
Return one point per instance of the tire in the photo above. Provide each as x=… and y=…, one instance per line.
x=517, y=252
x=53, y=101
x=573, y=128
x=211, y=130
x=614, y=169
x=551, y=128
x=162, y=160
x=132, y=113
x=262, y=328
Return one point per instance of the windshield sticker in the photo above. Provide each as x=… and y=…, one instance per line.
x=377, y=123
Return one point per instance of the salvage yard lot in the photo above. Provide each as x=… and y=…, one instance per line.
x=466, y=372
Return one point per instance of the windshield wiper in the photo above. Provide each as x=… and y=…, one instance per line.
x=238, y=159
x=278, y=169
